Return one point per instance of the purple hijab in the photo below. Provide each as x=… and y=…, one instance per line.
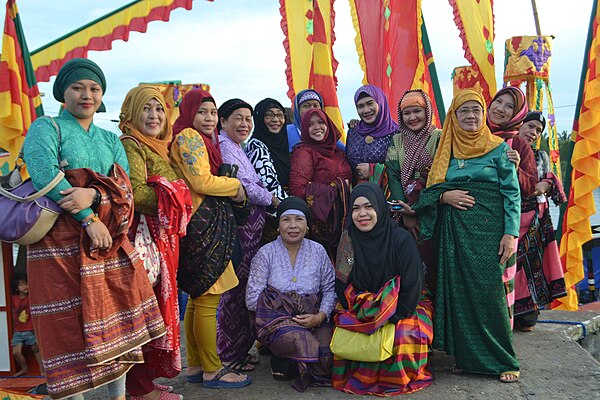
x=384, y=124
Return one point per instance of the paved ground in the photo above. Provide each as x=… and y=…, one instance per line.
x=553, y=366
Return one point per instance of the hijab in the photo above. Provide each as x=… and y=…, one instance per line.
x=294, y=203
x=510, y=128
x=277, y=143
x=75, y=70
x=187, y=112
x=383, y=125
x=305, y=95
x=416, y=157
x=328, y=145
x=132, y=107
x=230, y=106
x=459, y=143
x=375, y=252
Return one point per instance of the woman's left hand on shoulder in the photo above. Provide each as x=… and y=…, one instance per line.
x=514, y=157
x=507, y=248
x=76, y=199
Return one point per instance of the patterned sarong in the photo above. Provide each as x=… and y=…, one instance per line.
x=91, y=310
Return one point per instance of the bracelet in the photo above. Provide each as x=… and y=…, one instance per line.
x=441, y=199
x=91, y=221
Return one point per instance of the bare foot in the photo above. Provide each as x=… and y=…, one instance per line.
x=230, y=377
x=22, y=372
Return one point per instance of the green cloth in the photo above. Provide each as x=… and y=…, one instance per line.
x=143, y=163
x=97, y=149
x=75, y=70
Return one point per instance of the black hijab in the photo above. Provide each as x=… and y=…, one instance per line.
x=276, y=142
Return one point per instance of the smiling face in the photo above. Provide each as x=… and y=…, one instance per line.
x=414, y=118
x=274, y=119
x=502, y=109
x=367, y=109
x=292, y=228
x=238, y=125
x=308, y=105
x=470, y=116
x=152, y=119
x=364, y=215
x=531, y=131
x=206, y=118
x=317, y=128
x=83, y=98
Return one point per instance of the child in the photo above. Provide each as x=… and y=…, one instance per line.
x=23, y=327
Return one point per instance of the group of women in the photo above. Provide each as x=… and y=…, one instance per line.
x=266, y=236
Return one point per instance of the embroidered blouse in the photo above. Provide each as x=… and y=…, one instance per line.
x=259, y=155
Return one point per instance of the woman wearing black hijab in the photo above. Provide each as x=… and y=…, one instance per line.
x=376, y=256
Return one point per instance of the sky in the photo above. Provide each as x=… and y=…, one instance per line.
x=236, y=47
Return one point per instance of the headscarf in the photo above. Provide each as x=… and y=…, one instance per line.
x=383, y=125
x=374, y=251
x=187, y=112
x=459, y=143
x=294, y=203
x=75, y=70
x=230, y=106
x=306, y=94
x=511, y=128
x=416, y=157
x=132, y=107
x=277, y=143
x=328, y=145
x=536, y=116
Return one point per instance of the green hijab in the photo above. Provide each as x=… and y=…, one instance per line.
x=75, y=70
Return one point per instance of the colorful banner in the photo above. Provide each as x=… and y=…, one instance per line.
x=20, y=101
x=173, y=91
x=99, y=34
x=584, y=171
x=309, y=37
x=391, y=50
x=475, y=21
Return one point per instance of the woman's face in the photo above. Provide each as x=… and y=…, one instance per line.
x=308, y=105
x=238, y=125
x=414, y=118
x=364, y=216
x=83, y=98
x=470, y=116
x=274, y=119
x=502, y=109
x=206, y=118
x=531, y=131
x=317, y=128
x=292, y=228
x=152, y=119
x=367, y=109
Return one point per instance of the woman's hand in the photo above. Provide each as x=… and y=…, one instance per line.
x=240, y=195
x=99, y=234
x=514, y=157
x=458, y=199
x=412, y=225
x=363, y=170
x=352, y=123
x=275, y=201
x=76, y=199
x=507, y=248
x=541, y=188
x=310, y=320
x=405, y=210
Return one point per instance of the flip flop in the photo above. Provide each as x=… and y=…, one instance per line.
x=250, y=359
x=240, y=366
x=217, y=383
x=195, y=378
x=163, y=388
x=517, y=374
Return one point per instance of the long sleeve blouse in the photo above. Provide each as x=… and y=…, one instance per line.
x=312, y=273
x=309, y=166
x=259, y=155
x=96, y=149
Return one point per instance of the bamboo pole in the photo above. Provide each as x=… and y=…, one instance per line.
x=538, y=30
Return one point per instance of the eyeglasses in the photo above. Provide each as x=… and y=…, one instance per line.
x=271, y=115
x=466, y=111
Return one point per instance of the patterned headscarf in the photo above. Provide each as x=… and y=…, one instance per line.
x=459, y=143
x=75, y=70
x=307, y=94
x=511, y=128
x=383, y=125
x=132, y=107
x=328, y=145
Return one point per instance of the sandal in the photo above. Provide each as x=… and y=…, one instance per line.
x=197, y=378
x=250, y=359
x=163, y=388
x=240, y=366
x=163, y=396
x=217, y=383
x=505, y=379
x=280, y=376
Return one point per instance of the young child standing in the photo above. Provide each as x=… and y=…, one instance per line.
x=23, y=327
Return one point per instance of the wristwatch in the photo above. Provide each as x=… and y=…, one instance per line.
x=97, y=200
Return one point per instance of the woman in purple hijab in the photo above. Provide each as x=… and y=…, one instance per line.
x=369, y=139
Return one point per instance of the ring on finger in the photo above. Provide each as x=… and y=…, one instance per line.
x=460, y=203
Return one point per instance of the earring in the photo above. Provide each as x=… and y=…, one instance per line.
x=277, y=229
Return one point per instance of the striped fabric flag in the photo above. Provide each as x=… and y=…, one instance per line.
x=309, y=37
x=20, y=101
x=583, y=172
x=475, y=21
x=99, y=34
x=394, y=51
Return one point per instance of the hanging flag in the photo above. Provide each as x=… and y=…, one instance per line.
x=475, y=21
x=309, y=37
x=20, y=101
x=393, y=49
x=584, y=168
x=99, y=34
